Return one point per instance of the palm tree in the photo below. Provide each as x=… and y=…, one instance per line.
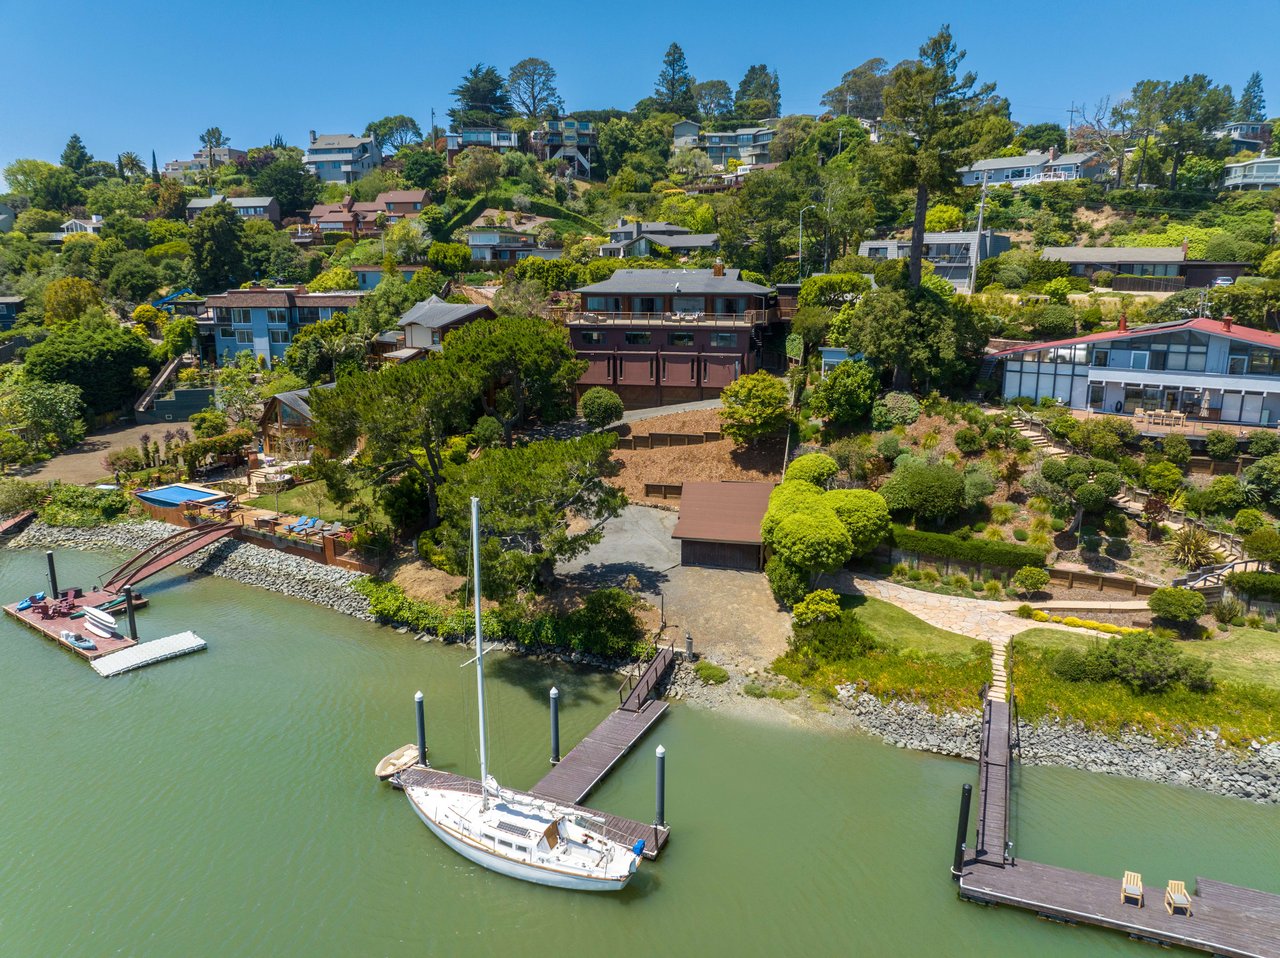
x=132, y=165
x=213, y=139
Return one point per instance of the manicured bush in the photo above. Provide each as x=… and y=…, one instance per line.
x=814, y=467
x=600, y=407
x=979, y=552
x=1024, y=611
x=788, y=583
x=1222, y=495
x=791, y=496
x=1030, y=579
x=969, y=441
x=865, y=516
x=818, y=606
x=710, y=674
x=814, y=541
x=845, y=394
x=1177, y=449
x=1103, y=278
x=1256, y=585
x=1247, y=520
x=1092, y=497
x=903, y=408
x=1020, y=535
x=1220, y=444
x=1177, y=605
x=127, y=459
x=1162, y=477
x=932, y=493
x=1264, y=442
x=1263, y=544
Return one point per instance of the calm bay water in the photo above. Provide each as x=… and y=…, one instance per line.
x=224, y=804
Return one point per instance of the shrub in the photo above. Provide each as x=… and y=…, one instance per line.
x=1144, y=662
x=1091, y=497
x=1069, y=665
x=123, y=460
x=1103, y=278
x=18, y=495
x=929, y=492
x=1020, y=535
x=791, y=496
x=1263, y=544
x=993, y=589
x=710, y=674
x=818, y=606
x=1057, y=525
x=600, y=407
x=1263, y=442
x=82, y=507
x=1024, y=611
x=1220, y=444
x=1191, y=547
x=865, y=516
x=754, y=690
x=1176, y=605
x=1030, y=579
x=1177, y=449
x=1162, y=477
x=1058, y=289
x=835, y=640
x=754, y=406
x=1256, y=585
x=788, y=583
x=846, y=393
x=814, y=541
x=486, y=433
x=903, y=408
x=814, y=467
x=969, y=441
x=1222, y=495
x=982, y=552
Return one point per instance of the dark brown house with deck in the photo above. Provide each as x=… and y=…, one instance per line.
x=663, y=336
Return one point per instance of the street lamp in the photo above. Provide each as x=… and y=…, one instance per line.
x=800, y=251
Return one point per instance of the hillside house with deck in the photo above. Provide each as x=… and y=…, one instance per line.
x=661, y=336
x=264, y=320
x=341, y=157
x=1199, y=370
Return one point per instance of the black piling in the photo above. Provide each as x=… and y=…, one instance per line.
x=962, y=829
x=688, y=646
x=660, y=811
x=128, y=608
x=53, y=576
x=422, y=728
x=555, y=726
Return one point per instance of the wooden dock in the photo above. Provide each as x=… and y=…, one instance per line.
x=622, y=830
x=53, y=626
x=148, y=653
x=1225, y=919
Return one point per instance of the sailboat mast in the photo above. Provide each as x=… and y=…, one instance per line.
x=475, y=591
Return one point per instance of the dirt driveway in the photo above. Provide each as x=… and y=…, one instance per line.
x=83, y=463
x=731, y=615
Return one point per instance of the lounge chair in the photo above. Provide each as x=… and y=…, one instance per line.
x=1131, y=889
x=295, y=526
x=1177, y=900
x=304, y=528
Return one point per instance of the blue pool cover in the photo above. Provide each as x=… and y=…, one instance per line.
x=176, y=495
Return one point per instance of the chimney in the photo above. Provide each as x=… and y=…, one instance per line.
x=313, y=135
x=1226, y=324
x=1124, y=323
x=1053, y=153
x=1186, y=244
x=718, y=268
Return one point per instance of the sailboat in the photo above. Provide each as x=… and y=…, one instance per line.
x=519, y=835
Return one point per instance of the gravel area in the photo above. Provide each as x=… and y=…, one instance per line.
x=290, y=575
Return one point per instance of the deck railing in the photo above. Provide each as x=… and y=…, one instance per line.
x=642, y=677
x=745, y=320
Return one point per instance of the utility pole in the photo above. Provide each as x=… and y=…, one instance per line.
x=800, y=251
x=977, y=240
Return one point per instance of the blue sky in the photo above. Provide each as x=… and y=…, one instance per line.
x=141, y=75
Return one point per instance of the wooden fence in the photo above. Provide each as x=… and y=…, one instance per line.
x=1099, y=582
x=658, y=490
x=659, y=440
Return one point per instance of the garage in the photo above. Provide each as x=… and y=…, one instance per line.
x=719, y=524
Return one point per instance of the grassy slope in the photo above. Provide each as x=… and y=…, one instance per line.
x=898, y=627
x=312, y=500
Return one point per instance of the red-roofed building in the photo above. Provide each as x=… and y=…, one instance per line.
x=1209, y=370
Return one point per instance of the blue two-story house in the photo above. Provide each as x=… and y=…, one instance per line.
x=341, y=157
x=1207, y=370
x=263, y=321
x=10, y=306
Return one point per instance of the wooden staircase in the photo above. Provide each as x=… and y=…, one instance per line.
x=1039, y=442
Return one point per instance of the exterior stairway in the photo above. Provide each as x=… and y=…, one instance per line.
x=1038, y=441
x=999, y=690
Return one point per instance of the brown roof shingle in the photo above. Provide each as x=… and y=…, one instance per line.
x=722, y=511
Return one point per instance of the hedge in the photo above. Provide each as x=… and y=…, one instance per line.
x=975, y=551
x=1256, y=585
x=543, y=208
x=464, y=217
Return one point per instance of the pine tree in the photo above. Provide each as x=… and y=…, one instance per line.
x=760, y=84
x=74, y=155
x=1252, y=106
x=674, y=90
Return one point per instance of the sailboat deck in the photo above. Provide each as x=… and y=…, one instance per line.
x=622, y=830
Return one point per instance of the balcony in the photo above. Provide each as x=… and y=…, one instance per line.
x=751, y=317
x=1165, y=377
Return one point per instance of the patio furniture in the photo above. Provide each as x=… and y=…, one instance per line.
x=1176, y=899
x=304, y=528
x=295, y=526
x=1131, y=889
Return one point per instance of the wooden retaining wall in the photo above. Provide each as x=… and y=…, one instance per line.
x=658, y=490
x=658, y=440
x=1099, y=582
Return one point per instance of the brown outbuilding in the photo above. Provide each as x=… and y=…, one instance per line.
x=719, y=524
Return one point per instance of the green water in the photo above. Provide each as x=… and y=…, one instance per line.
x=223, y=804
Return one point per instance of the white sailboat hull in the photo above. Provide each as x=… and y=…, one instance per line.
x=538, y=874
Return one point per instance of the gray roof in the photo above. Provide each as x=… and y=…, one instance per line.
x=298, y=399
x=687, y=240
x=1026, y=159
x=435, y=313
x=337, y=141
x=13, y=299
x=201, y=202
x=1113, y=254
x=667, y=281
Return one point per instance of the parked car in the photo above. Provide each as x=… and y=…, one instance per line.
x=1223, y=280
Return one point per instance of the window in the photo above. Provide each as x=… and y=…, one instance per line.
x=435, y=337
x=244, y=337
x=308, y=314
x=1096, y=393
x=679, y=339
x=604, y=304
x=226, y=332
x=638, y=338
x=1138, y=360
x=688, y=304
x=1100, y=357
x=278, y=317
x=645, y=304
x=279, y=335
x=592, y=337
x=724, y=340
x=241, y=317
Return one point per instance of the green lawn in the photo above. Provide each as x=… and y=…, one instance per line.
x=312, y=499
x=901, y=629
x=1241, y=655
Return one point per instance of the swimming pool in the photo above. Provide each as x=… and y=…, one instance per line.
x=176, y=494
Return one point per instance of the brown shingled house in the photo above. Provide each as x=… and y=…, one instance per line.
x=719, y=524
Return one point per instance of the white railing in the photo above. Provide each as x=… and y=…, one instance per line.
x=747, y=319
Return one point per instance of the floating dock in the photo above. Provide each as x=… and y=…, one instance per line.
x=53, y=626
x=147, y=653
x=1224, y=919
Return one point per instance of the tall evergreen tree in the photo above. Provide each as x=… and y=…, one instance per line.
x=532, y=87
x=74, y=155
x=155, y=170
x=759, y=84
x=935, y=121
x=217, y=256
x=673, y=92
x=1193, y=111
x=482, y=98
x=1252, y=106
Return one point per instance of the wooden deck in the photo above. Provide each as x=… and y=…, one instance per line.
x=15, y=524
x=993, y=785
x=591, y=760
x=52, y=627
x=1224, y=920
x=623, y=830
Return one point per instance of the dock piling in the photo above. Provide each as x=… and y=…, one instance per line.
x=422, y=728
x=660, y=812
x=555, y=725
x=128, y=607
x=53, y=576
x=962, y=829
x=688, y=646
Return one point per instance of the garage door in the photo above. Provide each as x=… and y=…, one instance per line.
x=721, y=555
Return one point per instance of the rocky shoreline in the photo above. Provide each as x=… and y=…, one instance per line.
x=243, y=562
x=1202, y=764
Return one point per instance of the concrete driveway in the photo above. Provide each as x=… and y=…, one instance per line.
x=83, y=463
x=731, y=615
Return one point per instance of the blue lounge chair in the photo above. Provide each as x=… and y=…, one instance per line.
x=295, y=526
x=306, y=527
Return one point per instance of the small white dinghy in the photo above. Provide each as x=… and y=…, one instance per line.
x=397, y=761
x=99, y=622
